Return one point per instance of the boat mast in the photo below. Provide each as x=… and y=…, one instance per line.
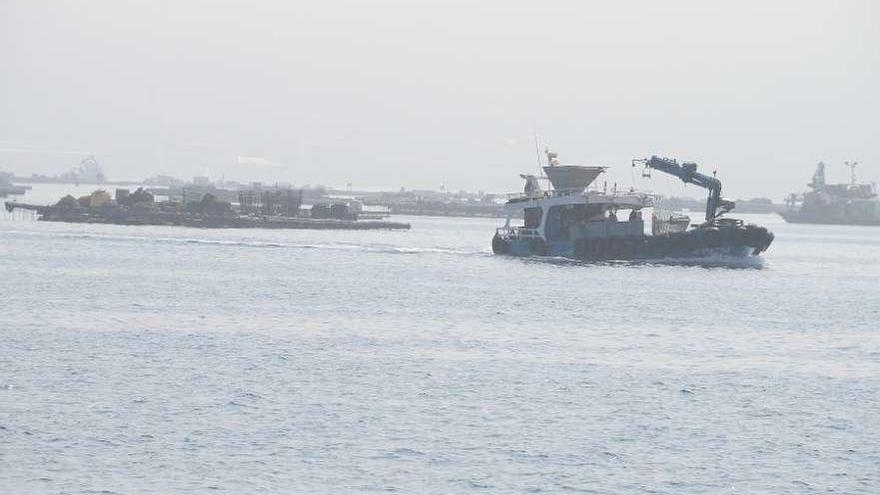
x=852, y=171
x=538, y=154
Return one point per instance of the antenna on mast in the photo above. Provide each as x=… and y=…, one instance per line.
x=852, y=171
x=538, y=153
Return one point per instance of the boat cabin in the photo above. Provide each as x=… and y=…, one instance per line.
x=570, y=210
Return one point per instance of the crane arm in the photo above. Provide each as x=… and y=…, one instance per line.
x=687, y=172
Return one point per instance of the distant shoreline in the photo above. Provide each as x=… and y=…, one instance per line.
x=56, y=180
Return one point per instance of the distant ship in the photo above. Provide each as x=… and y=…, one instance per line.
x=573, y=221
x=7, y=188
x=840, y=204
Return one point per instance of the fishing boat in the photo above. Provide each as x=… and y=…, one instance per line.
x=574, y=219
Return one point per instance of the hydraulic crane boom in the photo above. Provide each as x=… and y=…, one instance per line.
x=687, y=172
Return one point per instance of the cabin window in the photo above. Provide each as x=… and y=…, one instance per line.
x=566, y=222
x=553, y=230
x=532, y=218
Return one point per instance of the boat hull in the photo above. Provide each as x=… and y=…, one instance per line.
x=828, y=219
x=742, y=241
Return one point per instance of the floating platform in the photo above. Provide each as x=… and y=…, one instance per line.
x=119, y=216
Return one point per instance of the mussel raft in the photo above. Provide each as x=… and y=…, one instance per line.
x=568, y=220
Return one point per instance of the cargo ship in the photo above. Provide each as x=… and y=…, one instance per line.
x=839, y=204
x=571, y=219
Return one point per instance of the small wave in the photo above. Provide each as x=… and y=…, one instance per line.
x=429, y=250
x=229, y=243
x=402, y=453
x=713, y=261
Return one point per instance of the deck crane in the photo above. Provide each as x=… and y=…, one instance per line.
x=687, y=172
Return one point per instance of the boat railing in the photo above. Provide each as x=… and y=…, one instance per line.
x=518, y=197
x=613, y=193
x=517, y=232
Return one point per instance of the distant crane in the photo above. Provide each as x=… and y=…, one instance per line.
x=687, y=172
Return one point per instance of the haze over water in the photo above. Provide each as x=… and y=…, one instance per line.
x=173, y=360
x=393, y=93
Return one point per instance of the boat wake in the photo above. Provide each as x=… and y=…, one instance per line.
x=259, y=244
x=707, y=261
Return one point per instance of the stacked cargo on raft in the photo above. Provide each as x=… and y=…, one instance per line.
x=574, y=220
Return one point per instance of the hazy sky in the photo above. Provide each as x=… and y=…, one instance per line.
x=423, y=93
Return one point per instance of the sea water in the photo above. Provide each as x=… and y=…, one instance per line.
x=174, y=360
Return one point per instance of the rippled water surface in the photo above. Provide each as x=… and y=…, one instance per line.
x=171, y=360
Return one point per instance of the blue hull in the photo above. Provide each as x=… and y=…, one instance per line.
x=733, y=242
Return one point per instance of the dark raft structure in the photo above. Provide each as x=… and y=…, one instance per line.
x=266, y=208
